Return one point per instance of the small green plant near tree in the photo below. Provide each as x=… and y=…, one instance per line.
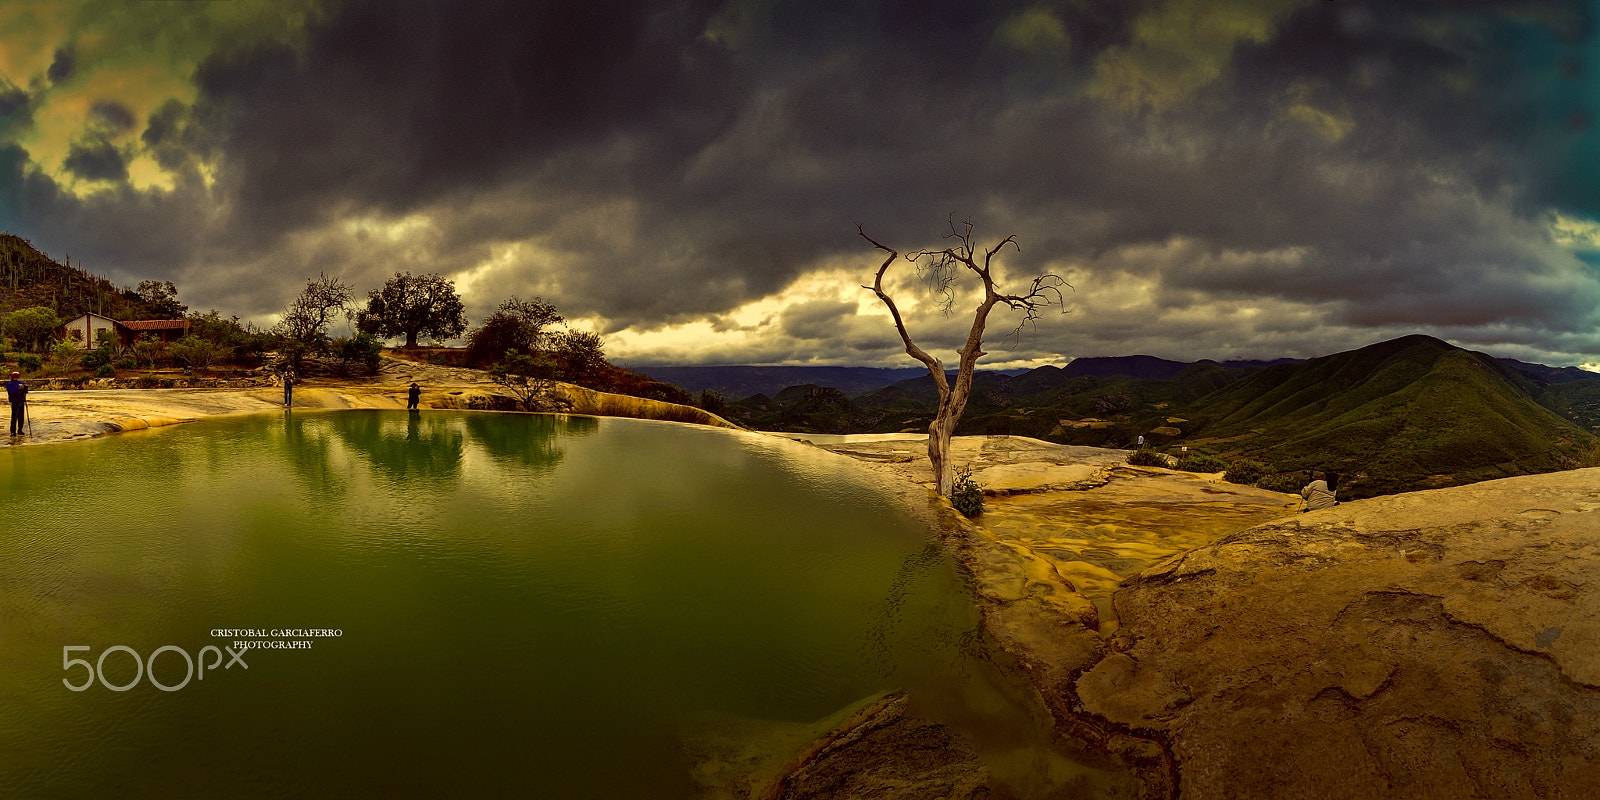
x=361, y=350
x=967, y=495
x=1287, y=482
x=94, y=359
x=106, y=339
x=1146, y=458
x=713, y=402
x=29, y=362
x=126, y=362
x=1246, y=471
x=529, y=380
x=149, y=350
x=105, y=371
x=195, y=352
x=64, y=353
x=1200, y=462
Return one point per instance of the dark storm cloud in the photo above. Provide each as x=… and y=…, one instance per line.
x=1366, y=169
x=96, y=160
x=112, y=115
x=12, y=99
x=62, y=67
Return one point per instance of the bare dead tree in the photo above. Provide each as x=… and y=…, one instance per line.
x=941, y=270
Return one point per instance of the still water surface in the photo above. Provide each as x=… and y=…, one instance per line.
x=529, y=605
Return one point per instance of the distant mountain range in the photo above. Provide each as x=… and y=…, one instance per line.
x=738, y=382
x=1411, y=413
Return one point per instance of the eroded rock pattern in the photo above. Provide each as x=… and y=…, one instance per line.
x=1433, y=644
x=883, y=751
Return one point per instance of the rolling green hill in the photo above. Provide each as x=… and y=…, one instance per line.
x=1410, y=413
x=1406, y=414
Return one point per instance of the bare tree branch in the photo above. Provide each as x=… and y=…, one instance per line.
x=940, y=270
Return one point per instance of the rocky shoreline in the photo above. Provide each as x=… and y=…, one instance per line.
x=61, y=414
x=1431, y=644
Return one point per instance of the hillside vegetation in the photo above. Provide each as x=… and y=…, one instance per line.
x=29, y=278
x=1399, y=415
x=1405, y=414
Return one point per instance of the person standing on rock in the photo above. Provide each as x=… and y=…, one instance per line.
x=413, y=396
x=17, y=393
x=1318, y=494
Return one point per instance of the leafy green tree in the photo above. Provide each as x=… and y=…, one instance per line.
x=149, y=349
x=530, y=379
x=160, y=299
x=412, y=306
x=581, y=354
x=195, y=352
x=31, y=328
x=518, y=326
x=362, y=348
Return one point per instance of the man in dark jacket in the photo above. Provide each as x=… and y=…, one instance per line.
x=413, y=396
x=17, y=393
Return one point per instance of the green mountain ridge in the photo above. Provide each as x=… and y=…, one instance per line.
x=1410, y=413
x=1405, y=414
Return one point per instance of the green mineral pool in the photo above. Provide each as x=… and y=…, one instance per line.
x=459, y=604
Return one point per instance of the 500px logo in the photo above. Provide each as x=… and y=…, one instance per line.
x=97, y=670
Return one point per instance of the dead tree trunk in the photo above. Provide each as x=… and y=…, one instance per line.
x=942, y=269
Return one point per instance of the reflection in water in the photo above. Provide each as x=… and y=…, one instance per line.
x=306, y=447
x=417, y=447
x=527, y=608
x=533, y=440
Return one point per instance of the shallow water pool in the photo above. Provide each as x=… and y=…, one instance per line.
x=526, y=605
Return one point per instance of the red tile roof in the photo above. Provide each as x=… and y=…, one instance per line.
x=156, y=324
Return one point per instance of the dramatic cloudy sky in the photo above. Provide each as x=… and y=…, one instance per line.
x=1214, y=178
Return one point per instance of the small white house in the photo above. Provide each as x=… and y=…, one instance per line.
x=82, y=330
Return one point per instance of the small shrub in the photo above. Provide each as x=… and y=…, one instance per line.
x=105, y=371
x=1200, y=462
x=966, y=495
x=29, y=362
x=1287, y=482
x=94, y=359
x=1246, y=471
x=64, y=352
x=713, y=402
x=1146, y=458
x=126, y=362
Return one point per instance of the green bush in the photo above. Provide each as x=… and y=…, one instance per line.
x=1246, y=472
x=1287, y=482
x=126, y=362
x=94, y=359
x=966, y=495
x=29, y=362
x=1146, y=458
x=105, y=371
x=63, y=352
x=1200, y=462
